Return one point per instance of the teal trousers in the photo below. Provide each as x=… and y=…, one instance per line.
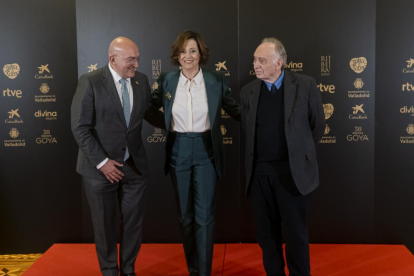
x=194, y=178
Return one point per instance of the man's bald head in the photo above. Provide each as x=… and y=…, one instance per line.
x=123, y=54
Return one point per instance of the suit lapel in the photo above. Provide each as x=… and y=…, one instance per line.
x=169, y=96
x=290, y=93
x=212, y=100
x=137, y=92
x=108, y=83
x=254, y=96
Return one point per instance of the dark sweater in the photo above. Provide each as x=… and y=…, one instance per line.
x=271, y=151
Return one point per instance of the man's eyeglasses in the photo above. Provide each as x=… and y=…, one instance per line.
x=132, y=60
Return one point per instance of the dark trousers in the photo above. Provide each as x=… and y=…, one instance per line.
x=194, y=179
x=276, y=202
x=103, y=197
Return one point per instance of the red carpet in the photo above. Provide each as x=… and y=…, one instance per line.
x=232, y=259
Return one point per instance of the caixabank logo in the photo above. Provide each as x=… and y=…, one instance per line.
x=44, y=72
x=409, y=69
x=47, y=115
x=92, y=67
x=327, y=137
x=358, y=113
x=408, y=139
x=14, y=117
x=14, y=142
x=222, y=68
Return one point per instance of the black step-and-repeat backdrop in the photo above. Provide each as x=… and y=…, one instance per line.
x=359, y=52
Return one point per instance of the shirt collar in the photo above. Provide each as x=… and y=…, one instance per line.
x=278, y=82
x=115, y=74
x=197, y=79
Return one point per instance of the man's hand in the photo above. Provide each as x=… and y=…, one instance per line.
x=111, y=172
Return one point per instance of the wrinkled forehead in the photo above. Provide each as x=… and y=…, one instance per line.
x=265, y=50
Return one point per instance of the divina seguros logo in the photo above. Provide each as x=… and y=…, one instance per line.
x=48, y=115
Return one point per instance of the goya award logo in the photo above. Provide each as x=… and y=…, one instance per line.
x=92, y=67
x=222, y=68
x=358, y=64
x=294, y=66
x=359, y=84
x=44, y=72
x=330, y=88
x=46, y=138
x=226, y=140
x=409, y=69
x=328, y=109
x=157, y=136
x=44, y=97
x=14, y=117
x=11, y=70
x=408, y=139
x=358, y=113
x=156, y=68
x=357, y=135
x=326, y=138
x=325, y=66
x=14, y=142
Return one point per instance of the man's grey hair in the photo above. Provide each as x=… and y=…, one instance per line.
x=280, y=49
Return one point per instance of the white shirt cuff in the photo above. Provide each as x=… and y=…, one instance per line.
x=100, y=165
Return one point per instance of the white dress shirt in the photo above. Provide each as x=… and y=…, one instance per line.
x=118, y=86
x=190, y=108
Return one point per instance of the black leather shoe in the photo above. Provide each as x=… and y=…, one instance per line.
x=129, y=274
x=194, y=273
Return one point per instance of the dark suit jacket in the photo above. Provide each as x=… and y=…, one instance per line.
x=218, y=96
x=99, y=126
x=304, y=126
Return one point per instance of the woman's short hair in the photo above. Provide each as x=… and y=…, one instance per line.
x=179, y=43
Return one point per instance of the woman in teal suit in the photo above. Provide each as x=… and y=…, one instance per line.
x=192, y=99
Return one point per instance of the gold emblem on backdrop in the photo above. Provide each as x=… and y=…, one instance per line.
x=46, y=138
x=410, y=129
x=408, y=139
x=157, y=136
x=154, y=86
x=221, y=67
x=92, y=67
x=358, y=84
x=358, y=113
x=44, y=72
x=328, y=110
x=325, y=66
x=327, y=139
x=223, y=129
x=357, y=135
x=409, y=69
x=11, y=70
x=13, y=117
x=294, y=66
x=358, y=64
x=155, y=68
x=14, y=133
x=44, y=88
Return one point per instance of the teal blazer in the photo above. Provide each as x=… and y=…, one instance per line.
x=218, y=96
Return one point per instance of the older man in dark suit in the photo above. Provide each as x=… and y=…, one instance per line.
x=283, y=119
x=107, y=114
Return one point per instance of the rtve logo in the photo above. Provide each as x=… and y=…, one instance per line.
x=12, y=93
x=326, y=88
x=407, y=87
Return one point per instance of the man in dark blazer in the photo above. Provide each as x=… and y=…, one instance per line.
x=107, y=114
x=283, y=120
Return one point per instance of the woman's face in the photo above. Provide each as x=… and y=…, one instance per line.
x=190, y=56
